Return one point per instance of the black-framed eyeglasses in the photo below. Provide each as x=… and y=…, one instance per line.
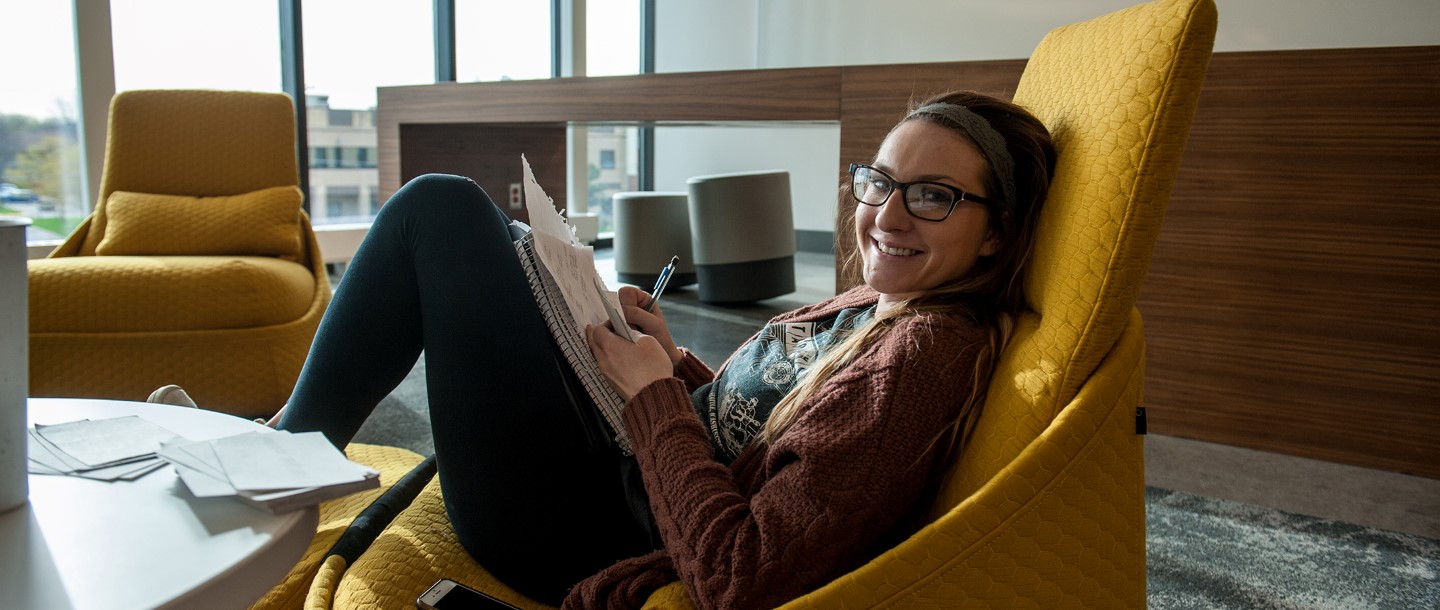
x=930, y=201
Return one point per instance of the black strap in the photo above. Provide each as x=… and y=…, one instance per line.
x=375, y=518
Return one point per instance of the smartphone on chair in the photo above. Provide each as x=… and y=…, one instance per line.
x=447, y=594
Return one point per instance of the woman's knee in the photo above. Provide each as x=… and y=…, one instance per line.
x=437, y=200
x=443, y=194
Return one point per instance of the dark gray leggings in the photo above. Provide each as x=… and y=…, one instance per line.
x=529, y=497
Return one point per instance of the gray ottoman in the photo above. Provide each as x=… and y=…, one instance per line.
x=744, y=236
x=650, y=228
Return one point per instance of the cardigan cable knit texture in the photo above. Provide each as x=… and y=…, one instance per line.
x=788, y=517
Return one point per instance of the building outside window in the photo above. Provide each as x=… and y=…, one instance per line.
x=342, y=203
x=339, y=140
x=352, y=47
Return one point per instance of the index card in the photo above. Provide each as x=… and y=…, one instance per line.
x=259, y=461
x=98, y=442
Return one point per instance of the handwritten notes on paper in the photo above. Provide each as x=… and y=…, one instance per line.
x=115, y=449
x=569, y=262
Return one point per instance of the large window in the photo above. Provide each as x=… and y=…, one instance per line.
x=351, y=48
x=39, y=138
x=612, y=48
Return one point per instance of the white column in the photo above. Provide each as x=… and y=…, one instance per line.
x=95, y=76
x=14, y=363
x=577, y=144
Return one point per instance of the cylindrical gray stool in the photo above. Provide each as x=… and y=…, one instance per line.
x=744, y=235
x=649, y=229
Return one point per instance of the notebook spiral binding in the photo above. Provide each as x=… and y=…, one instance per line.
x=572, y=342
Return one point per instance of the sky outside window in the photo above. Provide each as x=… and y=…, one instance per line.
x=182, y=44
x=39, y=76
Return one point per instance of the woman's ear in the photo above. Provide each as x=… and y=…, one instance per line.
x=991, y=244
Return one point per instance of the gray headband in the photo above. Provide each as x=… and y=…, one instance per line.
x=991, y=143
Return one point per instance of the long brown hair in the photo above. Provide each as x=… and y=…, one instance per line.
x=992, y=293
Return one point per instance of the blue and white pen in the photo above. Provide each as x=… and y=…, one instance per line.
x=660, y=283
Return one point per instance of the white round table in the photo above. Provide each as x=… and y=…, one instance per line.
x=147, y=543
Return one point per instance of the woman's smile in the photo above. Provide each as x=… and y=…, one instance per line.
x=893, y=250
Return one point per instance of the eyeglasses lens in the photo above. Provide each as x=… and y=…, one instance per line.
x=924, y=200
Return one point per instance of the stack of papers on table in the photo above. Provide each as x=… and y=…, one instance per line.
x=115, y=449
x=276, y=471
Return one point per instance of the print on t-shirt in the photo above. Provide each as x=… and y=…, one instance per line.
x=735, y=406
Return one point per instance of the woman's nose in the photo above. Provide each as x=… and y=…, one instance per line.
x=893, y=215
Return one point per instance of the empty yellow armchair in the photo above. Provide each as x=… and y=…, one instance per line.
x=197, y=267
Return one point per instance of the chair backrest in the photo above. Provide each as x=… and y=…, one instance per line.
x=1118, y=93
x=197, y=143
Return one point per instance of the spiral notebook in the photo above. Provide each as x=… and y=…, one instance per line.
x=570, y=294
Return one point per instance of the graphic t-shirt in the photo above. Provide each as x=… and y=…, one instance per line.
x=736, y=404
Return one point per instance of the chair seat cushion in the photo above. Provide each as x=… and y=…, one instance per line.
x=89, y=294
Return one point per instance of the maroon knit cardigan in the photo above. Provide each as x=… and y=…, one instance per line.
x=785, y=518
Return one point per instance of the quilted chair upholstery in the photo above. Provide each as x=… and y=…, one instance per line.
x=116, y=313
x=1045, y=508
x=335, y=517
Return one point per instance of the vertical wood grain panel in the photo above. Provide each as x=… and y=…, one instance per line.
x=1293, y=302
x=489, y=155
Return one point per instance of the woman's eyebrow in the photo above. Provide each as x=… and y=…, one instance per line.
x=923, y=178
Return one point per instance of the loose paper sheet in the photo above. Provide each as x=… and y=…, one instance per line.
x=570, y=263
x=197, y=466
x=259, y=461
x=103, y=441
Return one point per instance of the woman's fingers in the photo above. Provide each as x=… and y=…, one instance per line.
x=631, y=296
x=629, y=367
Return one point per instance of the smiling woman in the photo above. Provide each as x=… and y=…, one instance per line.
x=823, y=432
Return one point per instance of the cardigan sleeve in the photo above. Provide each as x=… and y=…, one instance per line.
x=627, y=584
x=692, y=371
x=843, y=475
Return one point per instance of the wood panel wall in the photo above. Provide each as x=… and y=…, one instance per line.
x=1293, y=301
x=489, y=155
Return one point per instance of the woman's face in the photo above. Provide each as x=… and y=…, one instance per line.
x=903, y=255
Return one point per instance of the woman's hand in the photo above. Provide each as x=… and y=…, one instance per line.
x=650, y=323
x=629, y=367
